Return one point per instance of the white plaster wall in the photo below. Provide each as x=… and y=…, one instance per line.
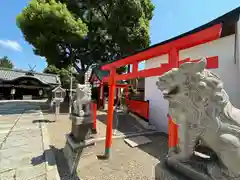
x=156, y=61
x=228, y=72
x=238, y=43
x=158, y=107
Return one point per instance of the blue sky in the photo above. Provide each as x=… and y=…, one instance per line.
x=171, y=18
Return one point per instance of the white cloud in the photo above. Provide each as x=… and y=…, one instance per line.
x=14, y=45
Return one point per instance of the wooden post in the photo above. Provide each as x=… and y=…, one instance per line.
x=173, y=129
x=169, y=132
x=112, y=85
x=135, y=67
x=94, y=109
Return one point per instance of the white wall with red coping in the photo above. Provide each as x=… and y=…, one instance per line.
x=228, y=71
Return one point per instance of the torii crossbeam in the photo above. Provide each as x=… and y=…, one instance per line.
x=171, y=48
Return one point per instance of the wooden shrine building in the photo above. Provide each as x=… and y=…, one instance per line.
x=19, y=84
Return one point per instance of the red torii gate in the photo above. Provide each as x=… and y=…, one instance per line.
x=171, y=48
x=100, y=84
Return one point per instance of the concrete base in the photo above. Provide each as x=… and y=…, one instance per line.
x=74, y=151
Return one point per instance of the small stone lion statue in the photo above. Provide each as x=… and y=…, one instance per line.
x=82, y=104
x=201, y=107
x=83, y=97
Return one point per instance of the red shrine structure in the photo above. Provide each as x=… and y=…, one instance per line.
x=217, y=41
x=172, y=49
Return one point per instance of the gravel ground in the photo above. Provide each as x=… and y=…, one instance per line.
x=141, y=163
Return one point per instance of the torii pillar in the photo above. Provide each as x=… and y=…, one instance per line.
x=172, y=127
x=112, y=86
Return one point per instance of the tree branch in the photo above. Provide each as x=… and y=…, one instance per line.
x=102, y=11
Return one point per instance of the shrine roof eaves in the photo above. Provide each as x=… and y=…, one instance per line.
x=12, y=74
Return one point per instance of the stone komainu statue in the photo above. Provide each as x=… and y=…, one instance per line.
x=201, y=107
x=82, y=102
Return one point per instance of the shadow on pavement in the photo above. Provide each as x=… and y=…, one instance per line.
x=61, y=163
x=158, y=148
x=62, y=166
x=123, y=123
x=42, y=158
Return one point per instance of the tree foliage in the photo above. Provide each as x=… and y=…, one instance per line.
x=52, y=30
x=64, y=74
x=5, y=62
x=86, y=31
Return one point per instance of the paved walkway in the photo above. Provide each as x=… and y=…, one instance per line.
x=22, y=155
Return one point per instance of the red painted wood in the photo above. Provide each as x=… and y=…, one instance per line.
x=141, y=108
x=170, y=139
x=174, y=63
x=212, y=62
x=135, y=67
x=94, y=108
x=112, y=86
x=201, y=37
x=143, y=73
x=173, y=57
x=172, y=133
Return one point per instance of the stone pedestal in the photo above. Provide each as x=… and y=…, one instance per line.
x=78, y=141
x=81, y=127
x=73, y=152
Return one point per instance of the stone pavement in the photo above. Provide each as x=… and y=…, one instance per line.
x=24, y=148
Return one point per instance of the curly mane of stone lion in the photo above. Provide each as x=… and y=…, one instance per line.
x=201, y=107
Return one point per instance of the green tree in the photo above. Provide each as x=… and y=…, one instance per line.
x=64, y=74
x=86, y=31
x=5, y=62
x=52, y=30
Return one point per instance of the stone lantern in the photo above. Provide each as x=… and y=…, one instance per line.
x=13, y=91
x=58, y=95
x=40, y=92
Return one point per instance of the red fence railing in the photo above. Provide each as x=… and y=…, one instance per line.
x=140, y=108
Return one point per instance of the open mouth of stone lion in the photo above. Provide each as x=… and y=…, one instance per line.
x=169, y=93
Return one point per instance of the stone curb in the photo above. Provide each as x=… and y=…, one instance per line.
x=50, y=161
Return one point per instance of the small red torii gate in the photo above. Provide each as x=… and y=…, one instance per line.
x=171, y=48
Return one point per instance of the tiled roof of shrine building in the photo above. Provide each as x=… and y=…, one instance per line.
x=13, y=74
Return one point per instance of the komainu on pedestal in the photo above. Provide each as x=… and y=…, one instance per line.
x=79, y=140
x=208, y=123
